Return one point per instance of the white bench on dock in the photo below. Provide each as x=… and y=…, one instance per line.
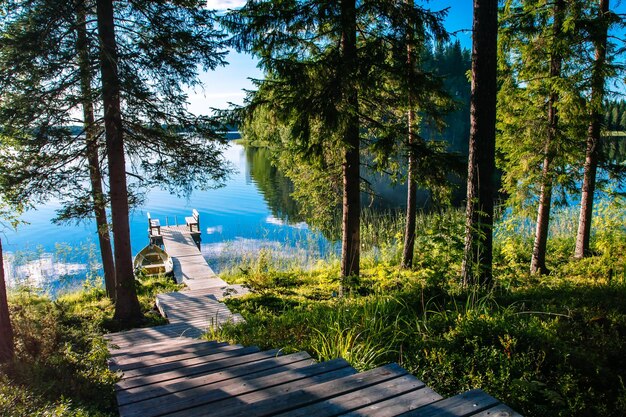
x=193, y=220
x=154, y=226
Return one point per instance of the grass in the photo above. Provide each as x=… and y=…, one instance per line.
x=60, y=366
x=547, y=346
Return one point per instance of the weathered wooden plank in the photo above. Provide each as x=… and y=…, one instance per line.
x=202, y=357
x=220, y=293
x=176, y=355
x=202, y=368
x=164, y=328
x=360, y=398
x=138, y=350
x=150, y=337
x=118, y=362
x=398, y=405
x=229, y=399
x=264, y=365
x=462, y=405
x=189, y=264
x=196, y=392
x=290, y=396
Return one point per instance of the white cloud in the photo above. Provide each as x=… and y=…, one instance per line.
x=279, y=222
x=224, y=4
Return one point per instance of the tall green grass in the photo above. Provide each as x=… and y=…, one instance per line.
x=550, y=345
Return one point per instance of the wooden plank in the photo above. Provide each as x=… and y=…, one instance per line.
x=293, y=395
x=138, y=350
x=398, y=405
x=358, y=399
x=202, y=357
x=197, y=392
x=463, y=405
x=264, y=365
x=202, y=368
x=229, y=399
x=153, y=360
x=154, y=336
x=164, y=328
x=120, y=362
x=231, y=290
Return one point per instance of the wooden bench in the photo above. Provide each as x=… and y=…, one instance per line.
x=154, y=225
x=193, y=220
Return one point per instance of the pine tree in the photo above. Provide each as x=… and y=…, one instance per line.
x=481, y=188
x=43, y=86
x=127, y=308
x=598, y=71
x=313, y=86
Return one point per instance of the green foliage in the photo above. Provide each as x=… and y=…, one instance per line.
x=163, y=46
x=549, y=345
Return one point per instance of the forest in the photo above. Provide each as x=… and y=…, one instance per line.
x=512, y=279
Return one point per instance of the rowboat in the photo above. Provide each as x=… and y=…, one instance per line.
x=152, y=261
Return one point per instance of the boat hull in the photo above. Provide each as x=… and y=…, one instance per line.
x=153, y=261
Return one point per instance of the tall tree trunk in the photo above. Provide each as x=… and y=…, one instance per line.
x=6, y=330
x=127, y=307
x=411, y=195
x=478, y=251
x=593, y=136
x=538, y=260
x=350, y=228
x=95, y=175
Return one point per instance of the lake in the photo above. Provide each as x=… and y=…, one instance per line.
x=253, y=212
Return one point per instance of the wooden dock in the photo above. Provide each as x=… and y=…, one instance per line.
x=168, y=371
x=190, y=267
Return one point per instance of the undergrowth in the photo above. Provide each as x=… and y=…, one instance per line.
x=546, y=345
x=60, y=364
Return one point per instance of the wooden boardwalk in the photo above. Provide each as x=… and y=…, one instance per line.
x=190, y=267
x=168, y=371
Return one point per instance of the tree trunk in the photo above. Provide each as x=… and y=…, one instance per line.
x=6, y=330
x=411, y=195
x=538, y=260
x=478, y=256
x=127, y=307
x=593, y=137
x=350, y=228
x=95, y=175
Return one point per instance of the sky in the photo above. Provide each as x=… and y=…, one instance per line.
x=226, y=84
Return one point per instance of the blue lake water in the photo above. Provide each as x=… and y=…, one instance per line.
x=251, y=213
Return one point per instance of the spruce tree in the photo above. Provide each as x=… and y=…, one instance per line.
x=321, y=78
x=541, y=110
